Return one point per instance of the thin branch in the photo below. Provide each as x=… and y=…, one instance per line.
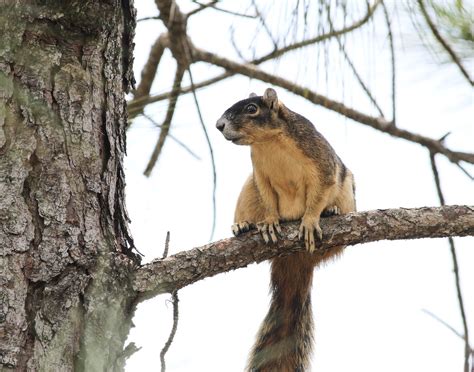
x=443, y=42
x=149, y=72
x=465, y=172
x=148, y=19
x=392, y=62
x=264, y=24
x=211, y=152
x=467, y=347
x=175, y=301
x=234, y=43
x=187, y=267
x=364, y=87
x=167, y=122
x=320, y=38
x=178, y=141
x=201, y=7
x=318, y=99
x=167, y=245
x=443, y=323
x=228, y=11
x=137, y=103
x=434, y=169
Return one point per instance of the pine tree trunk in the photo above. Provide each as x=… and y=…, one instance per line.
x=66, y=260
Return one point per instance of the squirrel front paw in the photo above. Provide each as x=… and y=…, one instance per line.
x=269, y=229
x=309, y=230
x=331, y=211
x=241, y=227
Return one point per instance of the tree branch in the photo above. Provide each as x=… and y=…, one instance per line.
x=318, y=99
x=148, y=74
x=187, y=267
x=137, y=104
x=151, y=65
x=165, y=127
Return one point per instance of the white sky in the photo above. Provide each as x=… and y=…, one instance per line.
x=368, y=304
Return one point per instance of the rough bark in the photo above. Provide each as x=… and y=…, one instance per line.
x=65, y=245
x=187, y=267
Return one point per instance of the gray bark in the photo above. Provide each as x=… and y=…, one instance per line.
x=185, y=268
x=65, y=246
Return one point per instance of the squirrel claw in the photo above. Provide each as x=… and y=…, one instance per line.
x=318, y=232
x=240, y=227
x=269, y=231
x=310, y=234
x=331, y=211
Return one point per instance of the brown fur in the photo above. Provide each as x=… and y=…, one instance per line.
x=296, y=175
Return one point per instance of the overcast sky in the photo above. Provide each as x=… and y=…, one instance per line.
x=368, y=304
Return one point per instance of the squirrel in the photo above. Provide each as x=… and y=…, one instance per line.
x=296, y=176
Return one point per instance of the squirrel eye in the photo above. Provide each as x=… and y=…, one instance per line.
x=251, y=109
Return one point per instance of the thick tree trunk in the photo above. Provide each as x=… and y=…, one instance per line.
x=65, y=298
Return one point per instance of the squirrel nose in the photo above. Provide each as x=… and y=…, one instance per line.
x=221, y=124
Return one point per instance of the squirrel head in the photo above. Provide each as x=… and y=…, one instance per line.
x=252, y=120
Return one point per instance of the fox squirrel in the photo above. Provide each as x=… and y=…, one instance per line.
x=296, y=175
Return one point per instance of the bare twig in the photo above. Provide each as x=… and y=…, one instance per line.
x=175, y=301
x=228, y=11
x=187, y=267
x=137, y=103
x=167, y=245
x=364, y=87
x=317, y=39
x=148, y=19
x=443, y=42
x=465, y=172
x=149, y=72
x=211, y=152
x=264, y=24
x=392, y=62
x=201, y=7
x=467, y=347
x=234, y=44
x=177, y=140
x=167, y=122
x=451, y=328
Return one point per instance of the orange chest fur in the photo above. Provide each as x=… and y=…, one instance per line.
x=289, y=173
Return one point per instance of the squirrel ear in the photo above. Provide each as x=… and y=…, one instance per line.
x=271, y=99
x=252, y=95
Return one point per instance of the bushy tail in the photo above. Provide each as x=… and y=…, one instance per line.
x=284, y=341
